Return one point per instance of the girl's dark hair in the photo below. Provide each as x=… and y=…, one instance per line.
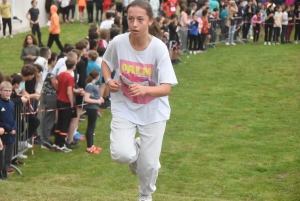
x=188, y=11
x=53, y=57
x=204, y=12
x=257, y=11
x=153, y=28
x=117, y=21
x=34, y=42
x=182, y=7
x=92, y=75
x=16, y=79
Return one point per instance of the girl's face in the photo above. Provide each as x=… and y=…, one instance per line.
x=34, y=4
x=195, y=17
x=138, y=21
x=29, y=40
x=279, y=9
x=16, y=85
x=113, y=8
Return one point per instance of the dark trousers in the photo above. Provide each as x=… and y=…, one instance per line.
x=6, y=21
x=268, y=32
x=98, y=10
x=6, y=155
x=246, y=27
x=52, y=38
x=276, y=34
x=193, y=42
x=238, y=29
x=35, y=28
x=65, y=12
x=256, y=31
x=63, y=122
x=283, y=32
x=90, y=11
x=33, y=124
x=92, y=118
x=203, y=37
x=297, y=32
x=72, y=9
x=289, y=32
x=48, y=118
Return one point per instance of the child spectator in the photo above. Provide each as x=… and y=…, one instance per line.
x=193, y=7
x=256, y=23
x=42, y=60
x=30, y=51
x=205, y=36
x=185, y=21
x=269, y=24
x=224, y=18
x=285, y=21
x=106, y=7
x=65, y=99
x=193, y=32
x=102, y=87
x=232, y=10
x=93, y=98
x=215, y=13
x=8, y=122
x=64, y=10
x=54, y=29
x=297, y=24
x=174, y=40
x=72, y=7
x=113, y=9
x=290, y=27
x=277, y=24
x=49, y=102
x=104, y=37
x=99, y=7
x=248, y=14
x=81, y=6
x=170, y=6
x=92, y=56
x=90, y=10
x=106, y=24
x=34, y=14
x=5, y=12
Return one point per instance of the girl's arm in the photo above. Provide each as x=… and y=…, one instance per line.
x=38, y=19
x=27, y=16
x=155, y=91
x=87, y=99
x=1, y=145
x=70, y=95
x=113, y=85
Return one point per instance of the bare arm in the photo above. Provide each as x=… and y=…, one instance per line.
x=53, y=81
x=70, y=94
x=112, y=84
x=154, y=91
x=87, y=99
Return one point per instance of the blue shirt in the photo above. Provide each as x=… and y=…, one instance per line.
x=93, y=66
x=7, y=120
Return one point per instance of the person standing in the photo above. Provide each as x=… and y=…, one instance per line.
x=5, y=12
x=33, y=16
x=54, y=29
x=139, y=95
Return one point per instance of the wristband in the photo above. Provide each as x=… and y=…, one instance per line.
x=107, y=80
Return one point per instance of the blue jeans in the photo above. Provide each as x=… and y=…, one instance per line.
x=231, y=33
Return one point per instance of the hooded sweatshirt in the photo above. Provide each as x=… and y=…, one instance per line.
x=7, y=120
x=54, y=28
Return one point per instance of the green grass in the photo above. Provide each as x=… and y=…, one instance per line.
x=233, y=134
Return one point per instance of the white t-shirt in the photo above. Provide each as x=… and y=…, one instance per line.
x=44, y=63
x=149, y=67
x=106, y=24
x=99, y=61
x=285, y=18
x=60, y=63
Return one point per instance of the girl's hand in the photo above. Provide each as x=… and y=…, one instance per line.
x=114, y=85
x=2, y=131
x=101, y=100
x=13, y=132
x=137, y=90
x=24, y=99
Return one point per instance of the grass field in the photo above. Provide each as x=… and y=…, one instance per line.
x=233, y=134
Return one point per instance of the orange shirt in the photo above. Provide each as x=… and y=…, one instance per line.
x=205, y=27
x=82, y=3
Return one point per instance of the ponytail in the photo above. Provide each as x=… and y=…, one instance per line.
x=155, y=30
x=92, y=75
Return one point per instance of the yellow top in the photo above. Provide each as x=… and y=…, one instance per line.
x=5, y=10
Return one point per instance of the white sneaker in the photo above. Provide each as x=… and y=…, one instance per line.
x=226, y=43
x=5, y=37
x=48, y=23
x=72, y=20
x=24, y=144
x=29, y=146
x=195, y=52
x=269, y=43
x=11, y=36
x=133, y=166
x=294, y=42
x=233, y=43
x=191, y=52
x=144, y=198
x=251, y=37
x=22, y=156
x=62, y=149
x=265, y=43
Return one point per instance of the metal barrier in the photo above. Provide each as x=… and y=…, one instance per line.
x=21, y=143
x=220, y=32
